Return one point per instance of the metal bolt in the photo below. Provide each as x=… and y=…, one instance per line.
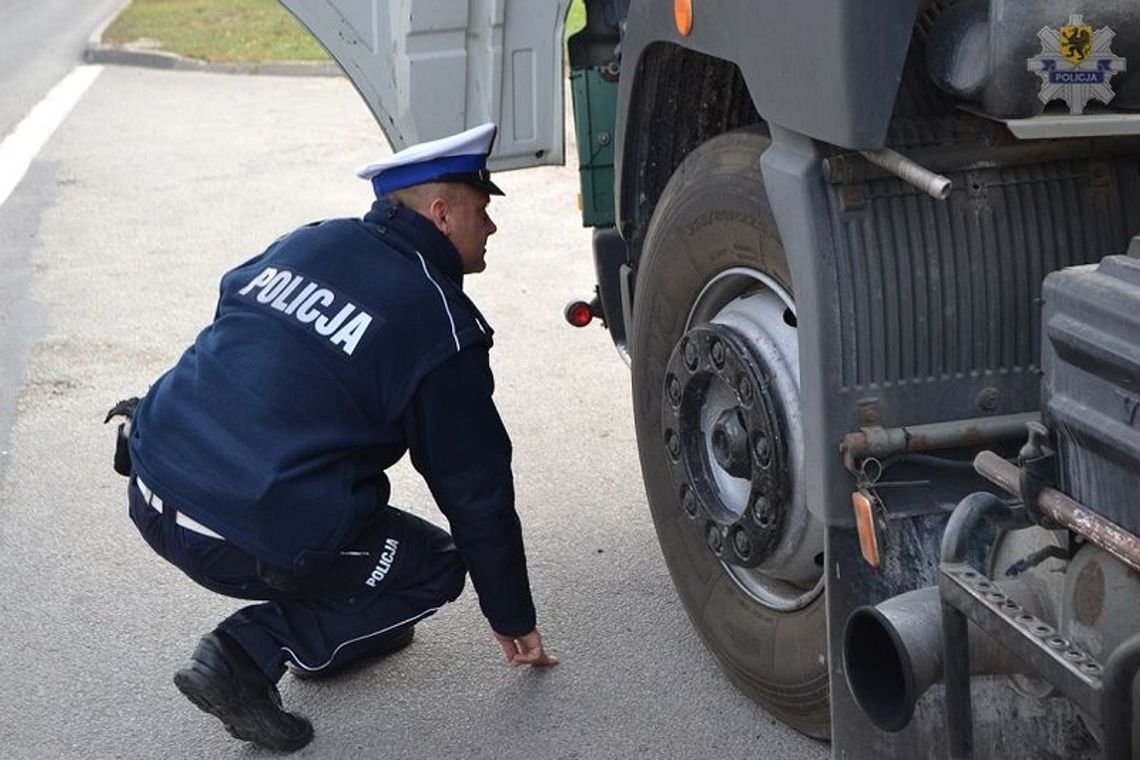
x=989, y=399
x=674, y=389
x=762, y=447
x=730, y=444
x=869, y=412
x=673, y=443
x=692, y=358
x=688, y=500
x=744, y=388
x=760, y=511
x=715, y=539
x=741, y=543
x=718, y=355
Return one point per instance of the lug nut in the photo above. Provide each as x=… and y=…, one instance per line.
x=688, y=500
x=744, y=388
x=673, y=387
x=760, y=509
x=762, y=447
x=673, y=444
x=692, y=357
x=717, y=350
x=715, y=539
x=741, y=543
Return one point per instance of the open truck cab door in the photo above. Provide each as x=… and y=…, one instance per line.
x=430, y=69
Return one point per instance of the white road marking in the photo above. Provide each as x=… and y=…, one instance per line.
x=20, y=147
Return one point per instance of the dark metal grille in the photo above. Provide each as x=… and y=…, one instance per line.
x=933, y=289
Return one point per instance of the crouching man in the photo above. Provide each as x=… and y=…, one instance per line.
x=258, y=459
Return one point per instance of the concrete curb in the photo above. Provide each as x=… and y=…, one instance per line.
x=97, y=52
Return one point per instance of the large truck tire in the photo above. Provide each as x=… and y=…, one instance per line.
x=723, y=463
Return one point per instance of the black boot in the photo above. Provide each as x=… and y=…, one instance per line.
x=384, y=646
x=222, y=680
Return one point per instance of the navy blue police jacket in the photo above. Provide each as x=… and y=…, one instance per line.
x=344, y=345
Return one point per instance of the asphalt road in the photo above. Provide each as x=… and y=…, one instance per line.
x=155, y=185
x=40, y=43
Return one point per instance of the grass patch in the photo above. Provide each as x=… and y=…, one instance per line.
x=232, y=31
x=575, y=17
x=225, y=31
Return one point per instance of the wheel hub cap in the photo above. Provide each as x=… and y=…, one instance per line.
x=713, y=374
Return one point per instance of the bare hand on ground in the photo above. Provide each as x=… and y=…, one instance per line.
x=525, y=650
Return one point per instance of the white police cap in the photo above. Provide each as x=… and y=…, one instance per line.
x=458, y=158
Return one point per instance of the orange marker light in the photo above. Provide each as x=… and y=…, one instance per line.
x=865, y=523
x=683, y=16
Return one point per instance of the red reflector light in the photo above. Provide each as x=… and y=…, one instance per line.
x=579, y=313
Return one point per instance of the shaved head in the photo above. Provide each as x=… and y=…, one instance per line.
x=420, y=197
x=458, y=211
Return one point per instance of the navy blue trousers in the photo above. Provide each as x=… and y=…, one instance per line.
x=316, y=628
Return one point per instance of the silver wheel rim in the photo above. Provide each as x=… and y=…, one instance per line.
x=756, y=307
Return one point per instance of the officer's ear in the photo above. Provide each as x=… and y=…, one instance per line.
x=439, y=212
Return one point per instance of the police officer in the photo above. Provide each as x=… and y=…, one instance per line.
x=258, y=459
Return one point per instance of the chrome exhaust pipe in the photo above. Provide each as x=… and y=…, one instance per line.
x=892, y=652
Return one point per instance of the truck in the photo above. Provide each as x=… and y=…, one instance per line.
x=875, y=268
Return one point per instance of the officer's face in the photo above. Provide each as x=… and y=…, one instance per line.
x=469, y=226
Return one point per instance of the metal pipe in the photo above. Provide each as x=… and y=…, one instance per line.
x=882, y=442
x=846, y=168
x=934, y=185
x=893, y=652
x=965, y=519
x=1057, y=506
x=1116, y=699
